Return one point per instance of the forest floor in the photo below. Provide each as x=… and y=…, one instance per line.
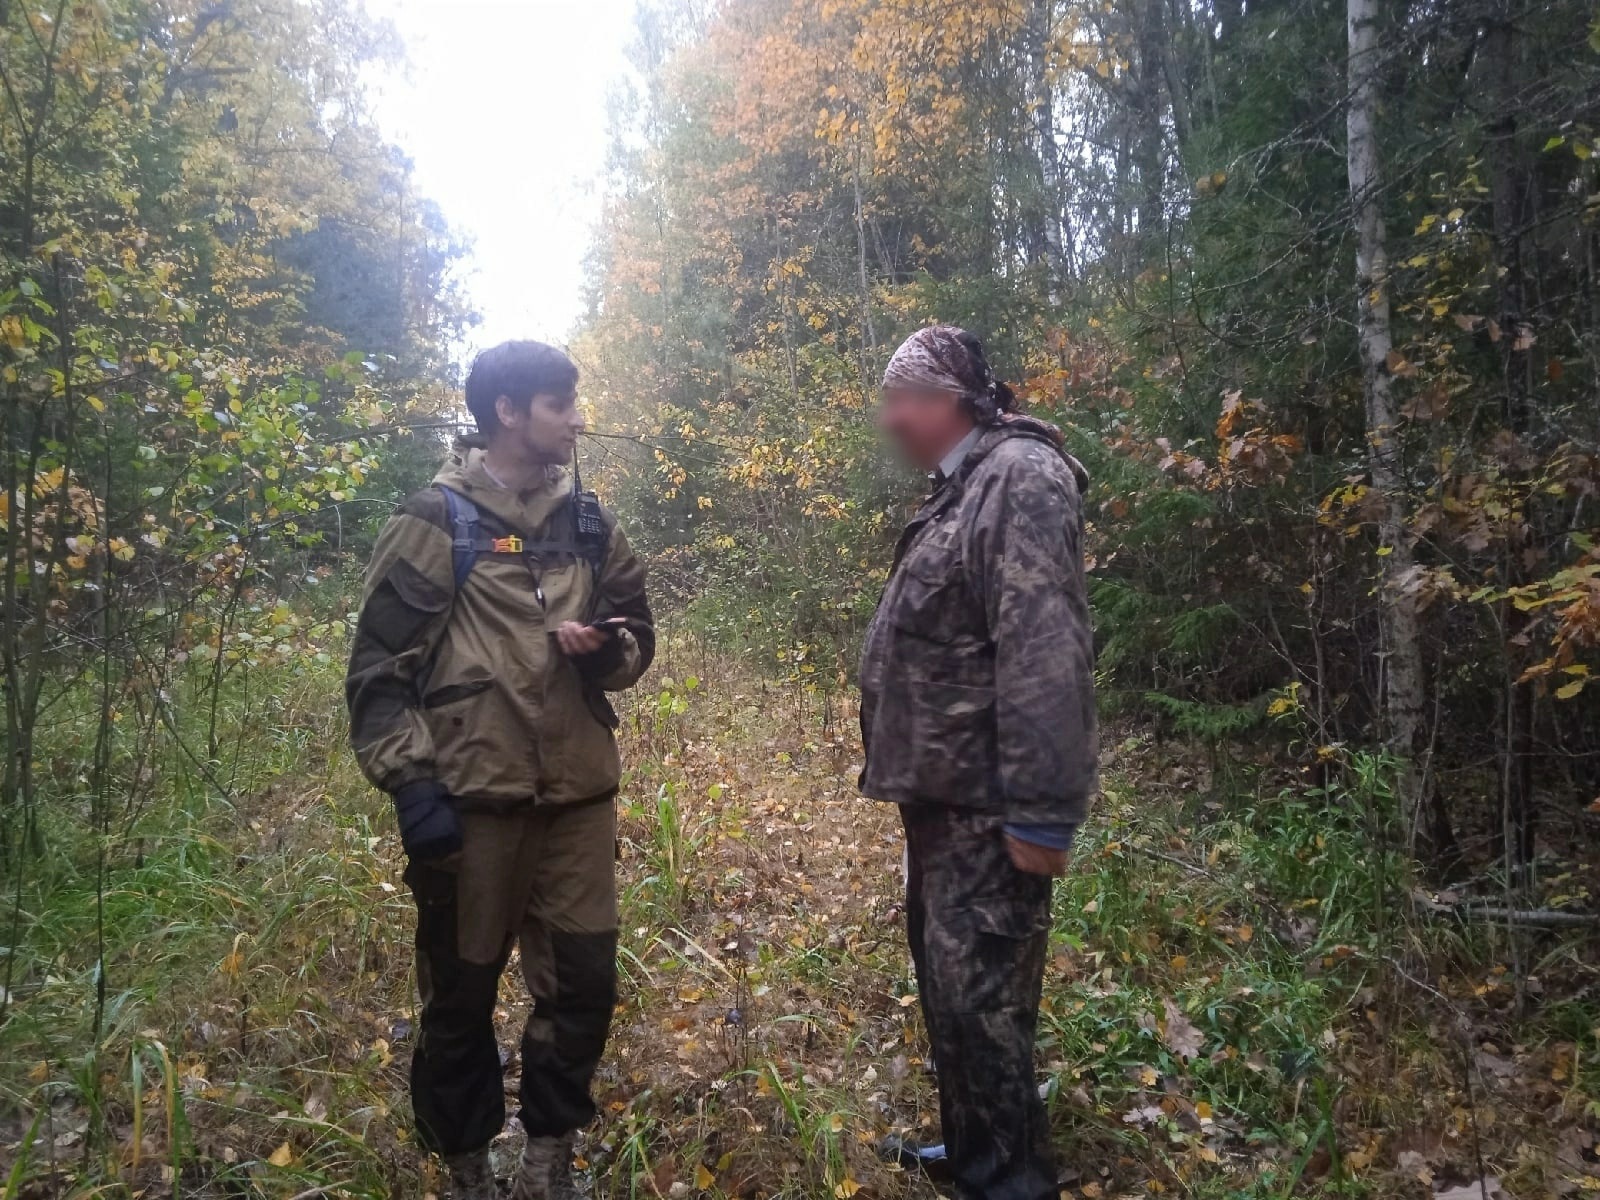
x=1236, y=1004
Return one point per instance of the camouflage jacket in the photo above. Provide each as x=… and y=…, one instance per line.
x=977, y=679
x=469, y=688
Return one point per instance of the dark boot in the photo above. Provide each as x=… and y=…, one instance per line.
x=546, y=1172
x=471, y=1176
x=913, y=1156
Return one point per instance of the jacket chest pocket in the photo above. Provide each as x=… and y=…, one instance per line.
x=932, y=600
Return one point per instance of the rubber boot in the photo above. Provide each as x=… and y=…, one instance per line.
x=471, y=1176
x=546, y=1172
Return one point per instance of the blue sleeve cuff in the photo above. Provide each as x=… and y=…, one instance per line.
x=1051, y=837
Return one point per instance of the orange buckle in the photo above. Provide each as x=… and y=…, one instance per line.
x=508, y=545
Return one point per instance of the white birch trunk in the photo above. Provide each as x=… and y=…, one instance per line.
x=1402, y=675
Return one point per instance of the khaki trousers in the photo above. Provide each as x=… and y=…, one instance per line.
x=542, y=878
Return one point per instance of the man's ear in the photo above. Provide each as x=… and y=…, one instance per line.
x=507, y=412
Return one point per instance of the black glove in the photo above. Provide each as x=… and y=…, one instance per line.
x=609, y=656
x=430, y=828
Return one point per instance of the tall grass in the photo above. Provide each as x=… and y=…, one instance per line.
x=248, y=933
x=1231, y=997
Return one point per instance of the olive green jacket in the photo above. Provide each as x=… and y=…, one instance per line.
x=469, y=688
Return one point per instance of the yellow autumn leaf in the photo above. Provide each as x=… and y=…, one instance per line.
x=703, y=1178
x=1568, y=690
x=846, y=1188
x=836, y=1124
x=282, y=1156
x=95, y=403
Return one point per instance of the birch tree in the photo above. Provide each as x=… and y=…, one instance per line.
x=1401, y=652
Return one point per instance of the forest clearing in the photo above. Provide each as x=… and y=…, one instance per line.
x=1304, y=298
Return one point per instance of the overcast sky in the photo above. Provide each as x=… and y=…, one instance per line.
x=503, y=109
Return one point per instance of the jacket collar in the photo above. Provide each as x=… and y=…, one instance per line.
x=1014, y=425
x=951, y=462
x=525, y=511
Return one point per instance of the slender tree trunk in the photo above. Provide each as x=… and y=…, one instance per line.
x=786, y=297
x=1122, y=222
x=1402, y=653
x=1508, y=192
x=1173, y=74
x=1048, y=238
x=1150, y=130
x=869, y=335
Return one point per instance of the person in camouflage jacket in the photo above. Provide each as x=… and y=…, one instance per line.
x=500, y=606
x=978, y=719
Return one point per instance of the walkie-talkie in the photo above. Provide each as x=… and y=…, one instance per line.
x=588, y=525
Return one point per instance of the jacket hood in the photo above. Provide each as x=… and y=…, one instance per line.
x=463, y=472
x=462, y=450
x=1017, y=425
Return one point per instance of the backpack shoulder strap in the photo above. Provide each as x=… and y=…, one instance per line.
x=463, y=515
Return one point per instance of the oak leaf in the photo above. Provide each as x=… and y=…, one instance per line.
x=1180, y=1035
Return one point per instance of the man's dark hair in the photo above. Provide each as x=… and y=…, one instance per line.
x=518, y=371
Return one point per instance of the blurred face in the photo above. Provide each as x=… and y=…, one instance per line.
x=547, y=432
x=924, y=424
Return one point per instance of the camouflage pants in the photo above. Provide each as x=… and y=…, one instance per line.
x=545, y=880
x=978, y=929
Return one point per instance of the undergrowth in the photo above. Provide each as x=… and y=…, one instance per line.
x=1239, y=1001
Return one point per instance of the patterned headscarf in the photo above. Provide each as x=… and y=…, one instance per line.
x=947, y=359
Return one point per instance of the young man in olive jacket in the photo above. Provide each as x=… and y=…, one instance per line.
x=977, y=712
x=500, y=606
